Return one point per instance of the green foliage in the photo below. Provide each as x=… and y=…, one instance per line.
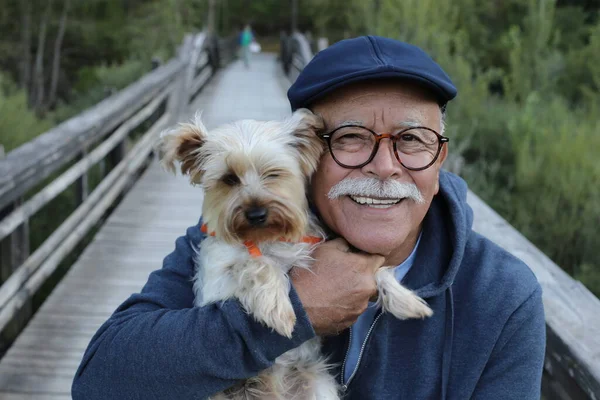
x=115, y=76
x=339, y=19
x=571, y=24
x=96, y=83
x=534, y=62
x=159, y=27
x=589, y=276
x=581, y=81
x=18, y=124
x=557, y=180
x=97, y=32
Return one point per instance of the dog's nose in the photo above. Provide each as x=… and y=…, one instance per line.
x=256, y=215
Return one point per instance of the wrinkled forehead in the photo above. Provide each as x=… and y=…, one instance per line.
x=393, y=102
x=350, y=91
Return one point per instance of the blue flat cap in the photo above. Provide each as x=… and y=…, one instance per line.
x=367, y=58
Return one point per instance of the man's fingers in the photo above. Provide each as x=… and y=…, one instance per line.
x=340, y=244
x=377, y=261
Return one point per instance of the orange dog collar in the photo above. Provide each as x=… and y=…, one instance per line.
x=253, y=249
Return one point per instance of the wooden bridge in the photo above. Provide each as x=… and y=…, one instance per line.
x=154, y=208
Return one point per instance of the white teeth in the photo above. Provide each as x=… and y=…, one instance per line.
x=376, y=203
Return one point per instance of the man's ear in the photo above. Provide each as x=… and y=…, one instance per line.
x=443, y=154
x=306, y=127
x=440, y=161
x=184, y=144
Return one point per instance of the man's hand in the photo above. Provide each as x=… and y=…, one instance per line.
x=336, y=291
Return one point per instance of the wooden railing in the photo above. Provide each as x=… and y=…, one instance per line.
x=294, y=52
x=99, y=135
x=572, y=365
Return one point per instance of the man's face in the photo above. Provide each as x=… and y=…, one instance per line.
x=384, y=107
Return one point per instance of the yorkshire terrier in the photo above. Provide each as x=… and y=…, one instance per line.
x=258, y=225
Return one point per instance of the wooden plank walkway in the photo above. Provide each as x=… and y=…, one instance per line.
x=131, y=244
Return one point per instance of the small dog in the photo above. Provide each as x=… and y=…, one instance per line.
x=258, y=224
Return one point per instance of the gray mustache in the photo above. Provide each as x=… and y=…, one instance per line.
x=372, y=187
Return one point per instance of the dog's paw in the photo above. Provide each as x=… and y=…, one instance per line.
x=264, y=293
x=281, y=317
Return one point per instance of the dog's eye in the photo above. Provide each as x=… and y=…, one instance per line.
x=230, y=179
x=272, y=175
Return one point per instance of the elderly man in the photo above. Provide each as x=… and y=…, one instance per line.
x=486, y=337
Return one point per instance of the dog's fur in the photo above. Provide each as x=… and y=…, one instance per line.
x=251, y=165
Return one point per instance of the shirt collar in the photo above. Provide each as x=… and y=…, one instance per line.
x=401, y=270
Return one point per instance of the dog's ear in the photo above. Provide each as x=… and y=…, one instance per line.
x=306, y=127
x=184, y=144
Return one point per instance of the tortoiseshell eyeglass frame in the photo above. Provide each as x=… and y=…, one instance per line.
x=380, y=136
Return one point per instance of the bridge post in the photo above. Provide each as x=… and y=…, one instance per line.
x=82, y=184
x=14, y=250
x=176, y=101
x=294, y=17
x=283, y=52
x=117, y=154
x=212, y=9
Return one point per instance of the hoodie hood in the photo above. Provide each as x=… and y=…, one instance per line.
x=446, y=229
x=442, y=246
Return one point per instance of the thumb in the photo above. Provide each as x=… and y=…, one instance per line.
x=376, y=261
x=339, y=244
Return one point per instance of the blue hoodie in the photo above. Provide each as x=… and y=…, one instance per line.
x=486, y=338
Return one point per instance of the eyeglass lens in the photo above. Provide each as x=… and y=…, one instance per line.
x=353, y=146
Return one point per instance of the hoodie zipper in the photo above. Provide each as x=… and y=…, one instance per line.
x=344, y=387
x=362, y=349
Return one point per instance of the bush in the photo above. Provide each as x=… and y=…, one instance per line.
x=18, y=124
x=96, y=83
x=555, y=199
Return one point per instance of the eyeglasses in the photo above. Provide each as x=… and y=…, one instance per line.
x=354, y=146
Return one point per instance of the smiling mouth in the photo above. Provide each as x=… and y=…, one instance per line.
x=374, y=202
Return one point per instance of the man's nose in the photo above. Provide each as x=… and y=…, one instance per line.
x=385, y=164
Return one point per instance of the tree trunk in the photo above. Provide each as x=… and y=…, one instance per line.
x=175, y=9
x=376, y=16
x=294, y=17
x=225, y=18
x=56, y=60
x=211, y=16
x=37, y=88
x=25, y=67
